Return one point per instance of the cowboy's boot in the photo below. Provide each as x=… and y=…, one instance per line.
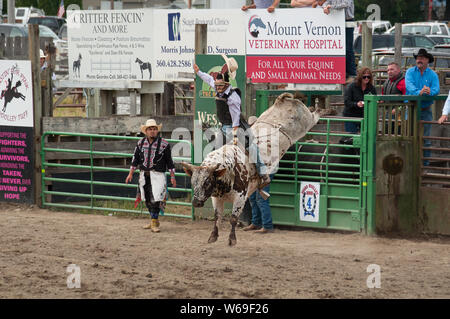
x=149, y=226
x=155, y=226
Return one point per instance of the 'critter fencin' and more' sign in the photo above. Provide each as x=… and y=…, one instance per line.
x=16, y=132
x=296, y=46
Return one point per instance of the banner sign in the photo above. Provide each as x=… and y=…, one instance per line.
x=16, y=132
x=146, y=44
x=206, y=123
x=110, y=45
x=309, y=201
x=295, y=46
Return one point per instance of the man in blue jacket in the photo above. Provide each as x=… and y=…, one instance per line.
x=421, y=80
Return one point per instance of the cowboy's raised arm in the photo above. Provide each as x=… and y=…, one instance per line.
x=204, y=76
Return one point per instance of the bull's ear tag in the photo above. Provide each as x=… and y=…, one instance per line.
x=220, y=172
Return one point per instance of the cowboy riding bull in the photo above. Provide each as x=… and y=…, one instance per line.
x=229, y=173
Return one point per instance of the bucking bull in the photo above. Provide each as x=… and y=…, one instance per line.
x=229, y=174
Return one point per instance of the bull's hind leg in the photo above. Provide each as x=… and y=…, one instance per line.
x=238, y=207
x=218, y=211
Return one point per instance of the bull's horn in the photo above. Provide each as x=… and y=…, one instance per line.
x=188, y=168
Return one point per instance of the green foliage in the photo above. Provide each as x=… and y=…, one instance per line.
x=395, y=11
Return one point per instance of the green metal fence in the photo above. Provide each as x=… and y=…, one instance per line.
x=93, y=154
x=341, y=201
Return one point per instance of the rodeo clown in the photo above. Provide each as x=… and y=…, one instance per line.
x=153, y=157
x=228, y=110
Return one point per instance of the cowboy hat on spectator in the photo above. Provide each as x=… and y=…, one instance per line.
x=150, y=123
x=424, y=53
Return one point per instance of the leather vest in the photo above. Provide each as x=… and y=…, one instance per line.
x=390, y=87
x=222, y=109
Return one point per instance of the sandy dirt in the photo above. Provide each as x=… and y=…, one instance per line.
x=119, y=259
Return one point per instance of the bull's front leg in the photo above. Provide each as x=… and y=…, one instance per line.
x=218, y=204
x=238, y=207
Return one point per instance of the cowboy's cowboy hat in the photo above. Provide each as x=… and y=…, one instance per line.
x=41, y=54
x=232, y=65
x=150, y=123
x=423, y=52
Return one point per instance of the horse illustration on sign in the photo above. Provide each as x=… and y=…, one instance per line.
x=144, y=66
x=77, y=65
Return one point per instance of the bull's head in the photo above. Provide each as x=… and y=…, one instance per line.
x=203, y=180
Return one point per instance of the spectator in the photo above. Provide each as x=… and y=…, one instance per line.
x=354, y=98
x=445, y=110
x=421, y=80
x=42, y=60
x=262, y=4
x=302, y=3
x=395, y=83
x=349, y=7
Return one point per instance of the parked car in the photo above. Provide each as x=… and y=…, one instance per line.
x=378, y=26
x=426, y=28
x=20, y=30
x=442, y=47
x=63, y=32
x=439, y=39
x=24, y=13
x=386, y=41
x=54, y=23
x=13, y=30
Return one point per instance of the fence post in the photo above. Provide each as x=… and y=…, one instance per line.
x=366, y=45
x=33, y=53
x=398, y=44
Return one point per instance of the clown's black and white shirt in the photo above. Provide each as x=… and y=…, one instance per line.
x=155, y=156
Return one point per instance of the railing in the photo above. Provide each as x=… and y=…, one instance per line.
x=437, y=172
x=91, y=168
x=323, y=158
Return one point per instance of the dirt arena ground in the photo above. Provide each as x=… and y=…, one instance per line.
x=119, y=259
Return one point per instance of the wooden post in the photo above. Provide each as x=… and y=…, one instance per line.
x=398, y=44
x=11, y=11
x=33, y=54
x=148, y=106
x=201, y=37
x=201, y=40
x=366, y=45
x=106, y=98
x=133, y=103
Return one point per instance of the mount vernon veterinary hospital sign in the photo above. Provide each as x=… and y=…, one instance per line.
x=295, y=46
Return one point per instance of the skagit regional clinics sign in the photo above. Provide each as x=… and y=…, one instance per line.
x=296, y=46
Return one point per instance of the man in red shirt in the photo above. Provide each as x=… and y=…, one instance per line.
x=395, y=84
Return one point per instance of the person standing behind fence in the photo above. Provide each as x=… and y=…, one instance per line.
x=349, y=7
x=395, y=83
x=262, y=4
x=261, y=215
x=445, y=110
x=354, y=98
x=421, y=80
x=152, y=155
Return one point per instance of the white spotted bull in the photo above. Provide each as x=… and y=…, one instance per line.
x=228, y=174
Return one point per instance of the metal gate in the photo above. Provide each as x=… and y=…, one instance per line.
x=334, y=159
x=322, y=157
x=77, y=164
